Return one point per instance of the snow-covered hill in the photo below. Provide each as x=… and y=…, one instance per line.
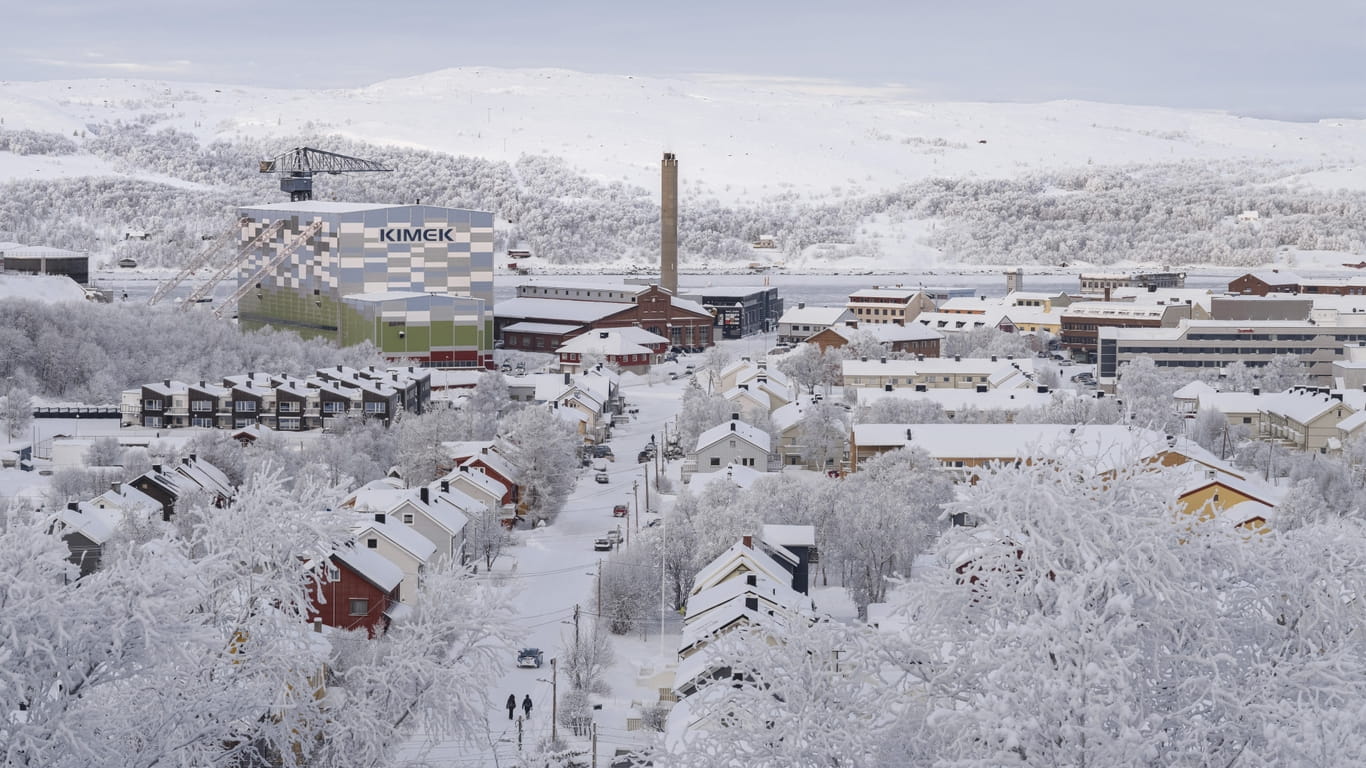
x=856, y=176
x=735, y=137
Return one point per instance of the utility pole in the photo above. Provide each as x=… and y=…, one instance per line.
x=576, y=627
x=554, y=700
x=599, y=587
x=595, y=745
x=647, y=497
x=635, y=491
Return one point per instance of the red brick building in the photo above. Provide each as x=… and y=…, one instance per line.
x=565, y=312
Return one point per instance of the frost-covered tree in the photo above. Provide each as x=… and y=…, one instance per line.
x=700, y=411
x=823, y=435
x=630, y=586
x=419, y=438
x=1034, y=639
x=487, y=403
x=809, y=366
x=891, y=511
x=485, y=535
x=1146, y=391
x=901, y=410
x=543, y=448
x=104, y=452
x=985, y=342
x=1281, y=373
x=17, y=412
x=714, y=360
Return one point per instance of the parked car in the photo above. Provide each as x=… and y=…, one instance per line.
x=670, y=357
x=688, y=369
x=620, y=510
x=653, y=522
x=1083, y=376
x=614, y=536
x=602, y=545
x=530, y=658
x=602, y=477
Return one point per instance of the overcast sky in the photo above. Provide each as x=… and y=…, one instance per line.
x=1295, y=59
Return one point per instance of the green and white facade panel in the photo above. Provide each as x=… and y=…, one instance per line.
x=417, y=280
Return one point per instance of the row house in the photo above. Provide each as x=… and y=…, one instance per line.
x=976, y=373
x=914, y=338
x=802, y=322
x=279, y=401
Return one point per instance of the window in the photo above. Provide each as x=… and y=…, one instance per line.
x=1247, y=419
x=289, y=406
x=333, y=573
x=152, y=421
x=747, y=462
x=333, y=406
x=716, y=461
x=151, y=405
x=201, y=422
x=372, y=543
x=290, y=423
x=201, y=406
x=374, y=407
x=408, y=518
x=244, y=406
x=359, y=606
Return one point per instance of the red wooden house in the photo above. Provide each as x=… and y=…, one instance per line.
x=357, y=589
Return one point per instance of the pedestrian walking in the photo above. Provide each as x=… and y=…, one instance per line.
x=512, y=704
x=526, y=705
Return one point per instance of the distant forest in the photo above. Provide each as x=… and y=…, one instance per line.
x=1175, y=214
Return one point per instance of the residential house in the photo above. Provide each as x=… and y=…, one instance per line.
x=86, y=528
x=439, y=515
x=630, y=349
x=801, y=322
x=401, y=545
x=731, y=442
x=357, y=589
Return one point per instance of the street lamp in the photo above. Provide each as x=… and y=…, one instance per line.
x=554, y=698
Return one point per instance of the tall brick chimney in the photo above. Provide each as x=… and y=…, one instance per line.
x=668, y=224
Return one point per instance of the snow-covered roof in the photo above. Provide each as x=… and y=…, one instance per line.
x=955, y=399
x=1195, y=390
x=790, y=535
x=167, y=388
x=609, y=343
x=811, y=315
x=1113, y=445
x=930, y=366
x=1353, y=423
x=494, y=461
x=554, y=329
x=788, y=416
x=484, y=482
x=759, y=396
x=371, y=566
x=738, y=557
x=1276, y=278
x=898, y=294
x=690, y=306
x=734, y=428
x=318, y=206
x=407, y=539
x=43, y=251
x=91, y=521
x=730, y=291
x=1300, y=406
x=736, y=475
x=568, y=310
x=891, y=333
x=1104, y=309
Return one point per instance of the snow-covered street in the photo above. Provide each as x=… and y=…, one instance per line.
x=552, y=569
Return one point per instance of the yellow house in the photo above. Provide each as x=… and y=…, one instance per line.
x=1238, y=502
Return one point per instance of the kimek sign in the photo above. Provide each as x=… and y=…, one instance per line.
x=434, y=235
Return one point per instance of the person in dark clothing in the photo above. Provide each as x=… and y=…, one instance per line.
x=512, y=704
x=526, y=705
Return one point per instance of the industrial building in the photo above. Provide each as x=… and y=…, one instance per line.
x=415, y=280
x=740, y=310
x=42, y=260
x=544, y=316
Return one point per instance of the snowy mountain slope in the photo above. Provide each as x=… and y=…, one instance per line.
x=845, y=177
x=736, y=137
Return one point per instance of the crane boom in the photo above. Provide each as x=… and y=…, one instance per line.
x=269, y=266
x=297, y=166
x=203, y=258
x=207, y=287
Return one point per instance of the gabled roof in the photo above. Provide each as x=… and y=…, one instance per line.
x=740, y=477
x=734, y=428
x=790, y=535
x=816, y=315
x=1300, y=406
x=405, y=538
x=488, y=484
x=608, y=343
x=371, y=566
x=1195, y=390
x=562, y=310
x=127, y=498
x=788, y=416
x=759, y=396
x=736, y=558
x=93, y=522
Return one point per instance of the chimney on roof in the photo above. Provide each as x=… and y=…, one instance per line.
x=732, y=426
x=981, y=387
x=156, y=468
x=379, y=518
x=863, y=359
x=801, y=305
x=993, y=358
x=422, y=494
x=908, y=434
x=73, y=506
x=464, y=468
x=958, y=358
x=339, y=366
x=318, y=625
x=920, y=358
x=886, y=387
x=883, y=360
x=1043, y=389
x=116, y=487
x=194, y=458
x=167, y=382
x=748, y=541
x=602, y=334
x=1258, y=390
x=201, y=383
